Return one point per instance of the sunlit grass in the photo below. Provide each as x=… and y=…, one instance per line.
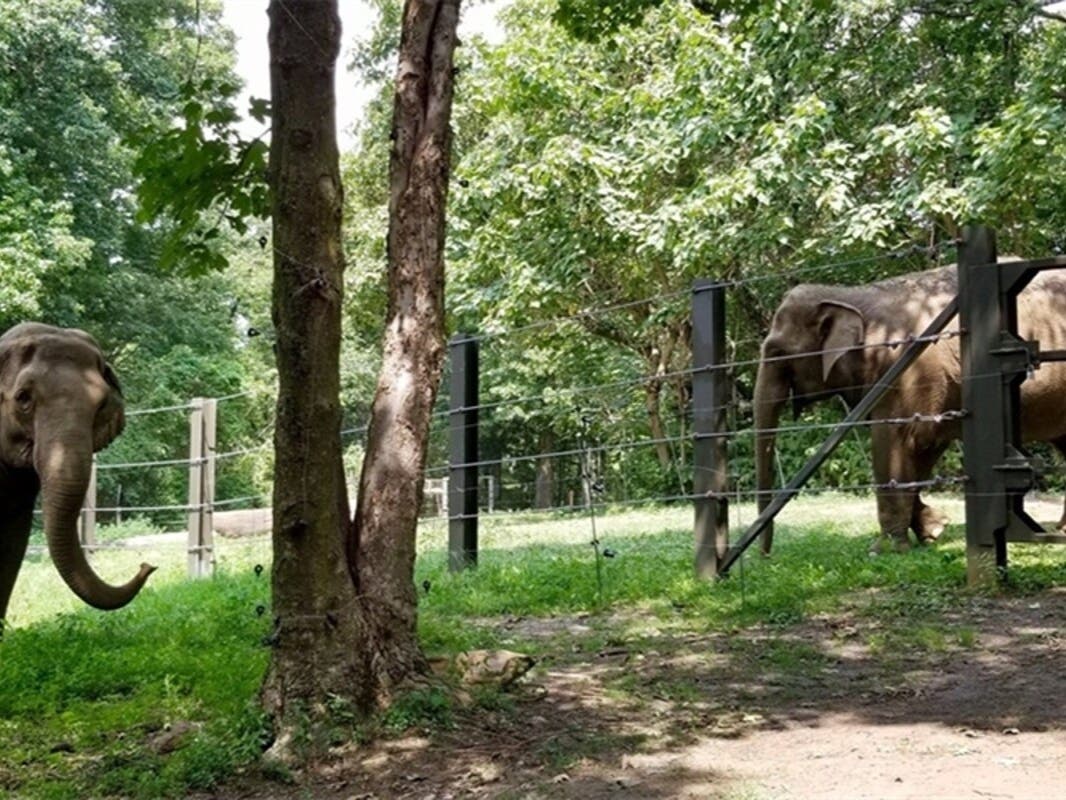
x=84, y=694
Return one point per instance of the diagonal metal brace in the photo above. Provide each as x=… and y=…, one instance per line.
x=859, y=412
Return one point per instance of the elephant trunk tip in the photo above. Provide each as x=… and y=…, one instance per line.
x=109, y=598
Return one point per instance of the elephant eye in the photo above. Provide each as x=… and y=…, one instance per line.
x=24, y=397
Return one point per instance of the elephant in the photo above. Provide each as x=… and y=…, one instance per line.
x=837, y=341
x=59, y=403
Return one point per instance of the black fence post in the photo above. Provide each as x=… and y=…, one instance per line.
x=984, y=426
x=995, y=362
x=463, y=453
x=709, y=451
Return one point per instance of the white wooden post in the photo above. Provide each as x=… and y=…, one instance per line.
x=196, y=484
x=87, y=520
x=207, y=497
x=202, y=436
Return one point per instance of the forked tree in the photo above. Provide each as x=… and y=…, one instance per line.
x=344, y=602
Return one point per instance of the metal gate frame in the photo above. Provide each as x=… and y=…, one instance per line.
x=995, y=361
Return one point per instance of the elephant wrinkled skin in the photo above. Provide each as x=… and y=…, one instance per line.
x=823, y=343
x=59, y=403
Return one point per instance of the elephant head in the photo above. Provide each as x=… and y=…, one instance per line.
x=812, y=352
x=59, y=403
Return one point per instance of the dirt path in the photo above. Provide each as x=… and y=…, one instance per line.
x=837, y=707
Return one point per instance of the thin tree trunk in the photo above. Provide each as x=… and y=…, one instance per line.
x=383, y=546
x=544, y=484
x=318, y=633
x=652, y=403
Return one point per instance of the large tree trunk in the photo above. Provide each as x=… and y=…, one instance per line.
x=390, y=493
x=318, y=639
x=344, y=602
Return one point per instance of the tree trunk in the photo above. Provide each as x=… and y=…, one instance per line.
x=544, y=483
x=383, y=546
x=652, y=404
x=344, y=601
x=318, y=634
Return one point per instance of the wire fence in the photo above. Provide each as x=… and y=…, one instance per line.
x=622, y=439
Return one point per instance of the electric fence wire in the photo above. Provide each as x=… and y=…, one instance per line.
x=659, y=376
x=510, y=460
x=902, y=252
x=904, y=487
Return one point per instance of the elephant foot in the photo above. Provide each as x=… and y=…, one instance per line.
x=889, y=544
x=931, y=535
x=929, y=524
x=1062, y=525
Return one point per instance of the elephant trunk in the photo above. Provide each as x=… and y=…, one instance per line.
x=771, y=394
x=64, y=465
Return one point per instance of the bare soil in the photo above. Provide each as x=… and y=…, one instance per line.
x=841, y=706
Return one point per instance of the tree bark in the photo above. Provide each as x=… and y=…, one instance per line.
x=318, y=632
x=382, y=549
x=652, y=394
x=544, y=483
x=344, y=600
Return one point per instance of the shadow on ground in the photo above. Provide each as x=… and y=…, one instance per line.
x=663, y=715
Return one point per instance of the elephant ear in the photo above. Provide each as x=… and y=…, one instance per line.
x=843, y=326
x=111, y=378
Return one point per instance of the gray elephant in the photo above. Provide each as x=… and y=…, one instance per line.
x=59, y=403
x=829, y=341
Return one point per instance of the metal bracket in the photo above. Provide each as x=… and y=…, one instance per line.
x=1016, y=355
x=1018, y=471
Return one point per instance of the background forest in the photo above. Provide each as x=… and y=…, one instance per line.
x=602, y=160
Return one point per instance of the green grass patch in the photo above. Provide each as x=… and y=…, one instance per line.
x=85, y=697
x=88, y=698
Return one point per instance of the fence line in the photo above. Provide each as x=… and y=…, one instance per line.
x=201, y=506
x=527, y=457
x=900, y=486
x=901, y=252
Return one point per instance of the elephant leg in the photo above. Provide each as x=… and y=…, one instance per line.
x=1060, y=445
x=927, y=522
x=893, y=461
x=14, y=536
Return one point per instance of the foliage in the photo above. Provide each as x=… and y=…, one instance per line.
x=750, y=144
x=83, y=86
x=202, y=174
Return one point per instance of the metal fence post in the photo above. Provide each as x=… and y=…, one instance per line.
x=984, y=426
x=709, y=396
x=463, y=453
x=995, y=362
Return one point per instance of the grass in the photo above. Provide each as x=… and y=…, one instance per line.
x=85, y=697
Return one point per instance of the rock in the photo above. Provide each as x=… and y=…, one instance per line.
x=172, y=737
x=492, y=667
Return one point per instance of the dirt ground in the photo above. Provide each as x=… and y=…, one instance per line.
x=835, y=707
